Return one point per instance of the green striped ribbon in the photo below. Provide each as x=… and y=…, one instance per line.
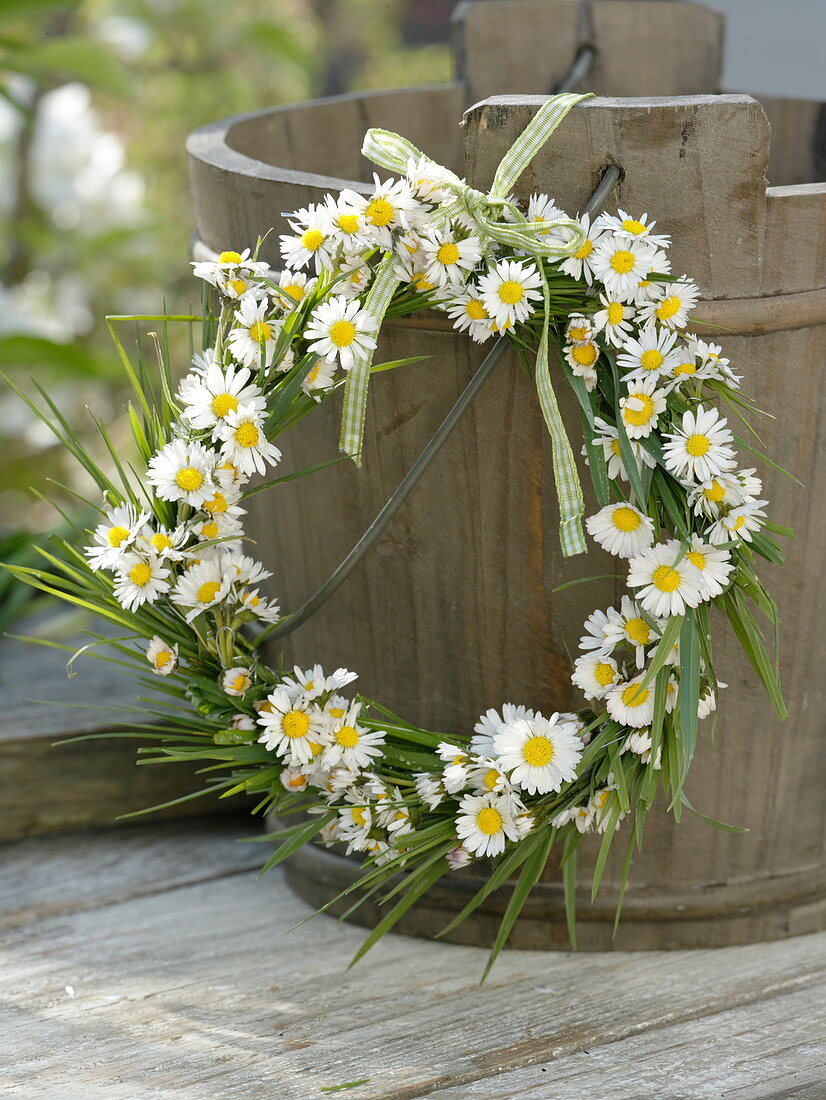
x=488, y=212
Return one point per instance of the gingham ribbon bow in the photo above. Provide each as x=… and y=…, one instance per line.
x=487, y=212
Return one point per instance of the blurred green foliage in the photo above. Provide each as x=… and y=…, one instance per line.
x=96, y=100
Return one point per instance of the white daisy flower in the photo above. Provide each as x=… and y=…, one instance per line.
x=220, y=527
x=355, y=823
x=201, y=587
x=607, y=437
x=509, y=289
x=349, y=228
x=650, y=355
x=621, y=529
x=667, y=581
x=182, y=471
x=430, y=182
x=449, y=259
x=487, y=776
x=639, y=743
x=620, y=262
x=312, y=682
x=740, y=522
x=457, y=766
x=631, y=704
x=319, y=378
x=582, y=359
x=579, y=329
x=707, y=702
x=543, y=209
x=628, y=626
x=229, y=478
x=641, y=408
x=484, y=823
x=430, y=789
x=580, y=264
x=468, y=313
x=162, y=657
x=251, y=332
x=294, y=728
x=292, y=289
x=713, y=364
x=209, y=398
x=233, y=273
x=355, y=278
x=245, y=570
x=352, y=744
x=614, y=320
x=701, y=449
x=599, y=808
x=596, y=637
x=294, y=779
x=244, y=442
x=594, y=674
x=118, y=533
x=714, y=565
x=268, y=611
x=338, y=328
x=313, y=239
x=458, y=857
x=224, y=502
x=673, y=303
x=491, y=723
x=168, y=545
x=236, y=681
x=392, y=206
x=140, y=579
x=711, y=497
x=624, y=225
x=539, y=753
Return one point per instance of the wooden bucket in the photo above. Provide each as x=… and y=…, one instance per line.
x=453, y=610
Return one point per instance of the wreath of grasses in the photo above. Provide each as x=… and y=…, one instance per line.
x=166, y=560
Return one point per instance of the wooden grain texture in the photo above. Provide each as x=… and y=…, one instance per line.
x=189, y=991
x=48, y=788
x=454, y=610
x=798, y=152
x=643, y=47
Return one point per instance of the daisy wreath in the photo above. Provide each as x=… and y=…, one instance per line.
x=167, y=564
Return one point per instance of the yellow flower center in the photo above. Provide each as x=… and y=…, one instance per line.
x=420, y=283
x=161, y=541
x=638, y=631
x=626, y=519
x=615, y=447
x=666, y=578
x=251, y=601
x=716, y=493
x=537, y=751
x=117, y=535
x=668, y=307
x=697, y=445
x=685, y=368
x=580, y=332
x=337, y=712
x=379, y=212
x=312, y=239
x=260, y=332
x=488, y=821
x=511, y=292
x=348, y=223
x=448, y=254
x=631, y=225
x=207, y=591
x=347, y=737
x=622, y=261
x=738, y=523
x=651, y=359
x=696, y=558
x=162, y=659
x=295, y=723
x=297, y=780
x=358, y=816
x=189, y=479
x=229, y=258
x=247, y=435
x=241, y=683
x=634, y=695
x=217, y=505
x=224, y=403
x=140, y=574
x=476, y=310
x=210, y=530
x=342, y=333
x=585, y=250
x=604, y=674
x=616, y=313
x=638, y=416
x=491, y=778
x=585, y=354
x=312, y=374
x=295, y=291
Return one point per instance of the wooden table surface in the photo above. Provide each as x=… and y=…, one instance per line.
x=153, y=961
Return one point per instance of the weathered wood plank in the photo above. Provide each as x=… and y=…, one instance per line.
x=770, y=1048
x=195, y=991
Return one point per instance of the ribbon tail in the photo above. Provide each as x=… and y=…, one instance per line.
x=531, y=140
x=389, y=150
x=358, y=378
x=568, y=487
